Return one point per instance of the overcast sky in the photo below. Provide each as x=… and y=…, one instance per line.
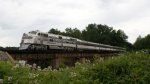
x=19, y=16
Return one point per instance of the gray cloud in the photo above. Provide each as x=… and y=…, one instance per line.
x=19, y=16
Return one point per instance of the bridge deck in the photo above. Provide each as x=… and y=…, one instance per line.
x=55, y=57
x=56, y=51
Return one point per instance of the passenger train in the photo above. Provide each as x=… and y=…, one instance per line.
x=36, y=40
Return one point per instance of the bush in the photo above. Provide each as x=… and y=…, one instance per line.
x=126, y=68
x=5, y=68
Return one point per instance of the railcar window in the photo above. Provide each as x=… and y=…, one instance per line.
x=67, y=41
x=51, y=37
x=51, y=40
x=39, y=34
x=60, y=37
x=72, y=39
x=43, y=35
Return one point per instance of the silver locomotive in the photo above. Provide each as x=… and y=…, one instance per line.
x=36, y=40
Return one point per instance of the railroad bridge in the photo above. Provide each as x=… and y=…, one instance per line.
x=56, y=58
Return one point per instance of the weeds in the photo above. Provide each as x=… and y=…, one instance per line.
x=132, y=68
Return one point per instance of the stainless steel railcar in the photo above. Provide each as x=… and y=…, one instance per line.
x=36, y=40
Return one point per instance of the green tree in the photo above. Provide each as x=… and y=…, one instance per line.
x=1, y=48
x=142, y=43
x=76, y=33
x=54, y=31
x=90, y=33
x=104, y=34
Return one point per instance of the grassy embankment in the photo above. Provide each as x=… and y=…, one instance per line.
x=129, y=68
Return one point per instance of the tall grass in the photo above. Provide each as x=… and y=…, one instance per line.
x=129, y=68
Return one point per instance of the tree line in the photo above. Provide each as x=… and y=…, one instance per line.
x=9, y=48
x=97, y=33
x=142, y=43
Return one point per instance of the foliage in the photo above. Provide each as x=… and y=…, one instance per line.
x=1, y=48
x=104, y=34
x=73, y=33
x=54, y=31
x=5, y=68
x=132, y=68
x=9, y=48
x=142, y=43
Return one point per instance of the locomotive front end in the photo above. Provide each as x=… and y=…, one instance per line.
x=27, y=40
